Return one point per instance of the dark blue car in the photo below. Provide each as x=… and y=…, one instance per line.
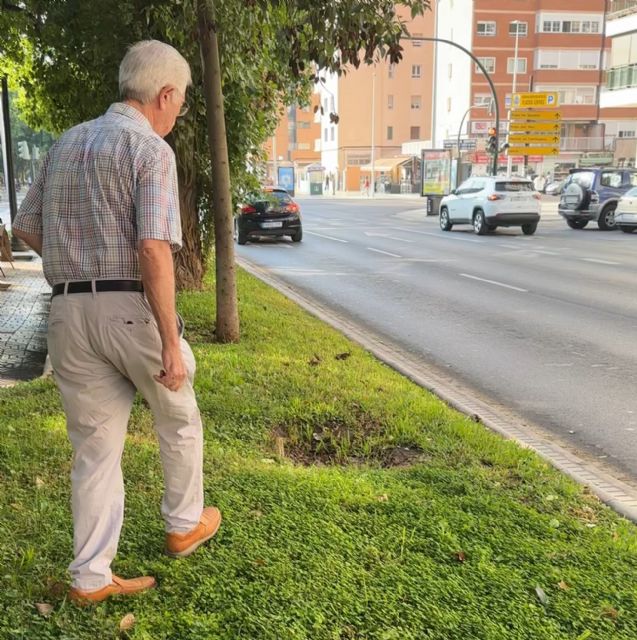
x=592, y=194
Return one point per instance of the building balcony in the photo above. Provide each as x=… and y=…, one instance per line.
x=606, y=143
x=620, y=8
x=621, y=87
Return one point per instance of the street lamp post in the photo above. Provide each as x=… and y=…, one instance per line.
x=373, y=181
x=517, y=24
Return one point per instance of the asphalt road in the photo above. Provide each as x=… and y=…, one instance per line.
x=542, y=324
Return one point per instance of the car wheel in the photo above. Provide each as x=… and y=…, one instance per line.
x=627, y=229
x=298, y=236
x=479, y=223
x=529, y=229
x=240, y=235
x=576, y=224
x=445, y=223
x=606, y=220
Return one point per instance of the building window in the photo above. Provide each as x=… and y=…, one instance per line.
x=521, y=65
x=482, y=99
x=391, y=71
x=303, y=146
x=625, y=134
x=325, y=134
x=572, y=94
x=417, y=43
x=332, y=134
x=390, y=133
x=325, y=105
x=414, y=133
x=565, y=23
x=567, y=59
x=390, y=101
x=416, y=102
x=488, y=64
x=519, y=28
x=415, y=71
x=486, y=29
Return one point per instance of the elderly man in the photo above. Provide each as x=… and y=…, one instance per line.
x=104, y=215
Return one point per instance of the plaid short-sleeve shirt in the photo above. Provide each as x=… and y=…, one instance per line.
x=103, y=186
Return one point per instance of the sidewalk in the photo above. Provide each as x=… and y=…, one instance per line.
x=23, y=322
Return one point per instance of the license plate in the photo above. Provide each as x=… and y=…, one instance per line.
x=271, y=225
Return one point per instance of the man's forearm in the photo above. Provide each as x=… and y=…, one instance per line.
x=156, y=264
x=33, y=240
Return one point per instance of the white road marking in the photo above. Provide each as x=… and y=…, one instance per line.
x=495, y=282
x=597, y=261
x=320, y=235
x=443, y=236
x=546, y=253
x=386, y=253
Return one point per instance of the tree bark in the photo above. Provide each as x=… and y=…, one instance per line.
x=227, y=329
x=189, y=262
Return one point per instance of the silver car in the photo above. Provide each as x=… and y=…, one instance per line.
x=491, y=202
x=626, y=213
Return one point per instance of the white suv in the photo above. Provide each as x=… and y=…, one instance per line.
x=490, y=202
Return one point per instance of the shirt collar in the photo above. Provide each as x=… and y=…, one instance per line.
x=123, y=109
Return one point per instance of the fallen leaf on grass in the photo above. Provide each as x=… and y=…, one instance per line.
x=44, y=609
x=541, y=596
x=460, y=556
x=610, y=612
x=315, y=361
x=255, y=513
x=343, y=356
x=382, y=498
x=39, y=483
x=127, y=622
x=563, y=586
x=260, y=562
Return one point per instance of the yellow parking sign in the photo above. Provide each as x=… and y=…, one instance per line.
x=533, y=99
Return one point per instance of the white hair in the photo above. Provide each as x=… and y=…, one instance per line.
x=150, y=65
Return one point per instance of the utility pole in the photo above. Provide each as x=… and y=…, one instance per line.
x=513, y=89
x=373, y=181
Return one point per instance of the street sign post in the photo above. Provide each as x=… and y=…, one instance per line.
x=549, y=127
x=539, y=99
x=533, y=151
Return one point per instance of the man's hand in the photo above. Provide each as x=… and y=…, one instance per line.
x=174, y=373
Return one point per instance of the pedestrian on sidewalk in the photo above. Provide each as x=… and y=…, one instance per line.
x=104, y=215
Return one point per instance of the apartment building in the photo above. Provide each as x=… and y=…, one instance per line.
x=380, y=107
x=620, y=87
x=292, y=144
x=561, y=47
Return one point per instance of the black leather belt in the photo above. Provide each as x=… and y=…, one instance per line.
x=100, y=285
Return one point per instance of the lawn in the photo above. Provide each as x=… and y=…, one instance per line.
x=356, y=505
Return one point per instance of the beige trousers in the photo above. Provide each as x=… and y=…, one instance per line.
x=104, y=346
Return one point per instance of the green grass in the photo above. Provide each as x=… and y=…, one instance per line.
x=356, y=505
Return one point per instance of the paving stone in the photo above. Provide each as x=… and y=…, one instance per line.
x=24, y=309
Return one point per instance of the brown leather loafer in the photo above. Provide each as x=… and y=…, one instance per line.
x=119, y=587
x=180, y=545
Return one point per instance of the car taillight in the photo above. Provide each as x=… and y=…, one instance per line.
x=494, y=196
x=293, y=208
x=248, y=209
x=537, y=196
x=594, y=196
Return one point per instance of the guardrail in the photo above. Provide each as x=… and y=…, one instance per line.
x=620, y=8
x=621, y=77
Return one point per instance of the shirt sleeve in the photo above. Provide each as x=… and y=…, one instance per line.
x=29, y=218
x=157, y=199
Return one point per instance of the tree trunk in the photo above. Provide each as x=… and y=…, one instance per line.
x=189, y=262
x=227, y=329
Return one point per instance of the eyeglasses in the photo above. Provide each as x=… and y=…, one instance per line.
x=184, y=110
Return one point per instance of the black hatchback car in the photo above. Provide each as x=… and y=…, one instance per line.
x=270, y=213
x=592, y=194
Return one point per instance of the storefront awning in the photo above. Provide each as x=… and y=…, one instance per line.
x=386, y=165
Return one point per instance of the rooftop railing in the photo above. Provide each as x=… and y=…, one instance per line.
x=621, y=8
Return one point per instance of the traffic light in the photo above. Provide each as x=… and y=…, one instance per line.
x=23, y=150
x=492, y=142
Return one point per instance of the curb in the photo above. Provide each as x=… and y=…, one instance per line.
x=617, y=494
